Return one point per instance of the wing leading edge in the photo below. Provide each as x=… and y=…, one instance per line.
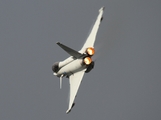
x=92, y=36
x=74, y=81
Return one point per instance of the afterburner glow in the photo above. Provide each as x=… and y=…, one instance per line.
x=87, y=60
x=90, y=51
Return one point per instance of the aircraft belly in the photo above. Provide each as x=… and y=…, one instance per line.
x=72, y=67
x=66, y=61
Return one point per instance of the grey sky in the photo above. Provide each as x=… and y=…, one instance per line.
x=126, y=81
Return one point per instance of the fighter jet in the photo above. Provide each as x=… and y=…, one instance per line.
x=78, y=63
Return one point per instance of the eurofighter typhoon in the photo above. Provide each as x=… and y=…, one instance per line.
x=78, y=63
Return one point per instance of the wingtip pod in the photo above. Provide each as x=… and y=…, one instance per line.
x=101, y=9
x=68, y=111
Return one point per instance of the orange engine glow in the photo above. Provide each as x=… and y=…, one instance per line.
x=87, y=60
x=90, y=51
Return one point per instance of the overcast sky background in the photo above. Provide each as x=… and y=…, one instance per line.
x=126, y=81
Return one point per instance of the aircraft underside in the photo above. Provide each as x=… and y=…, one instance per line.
x=78, y=63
